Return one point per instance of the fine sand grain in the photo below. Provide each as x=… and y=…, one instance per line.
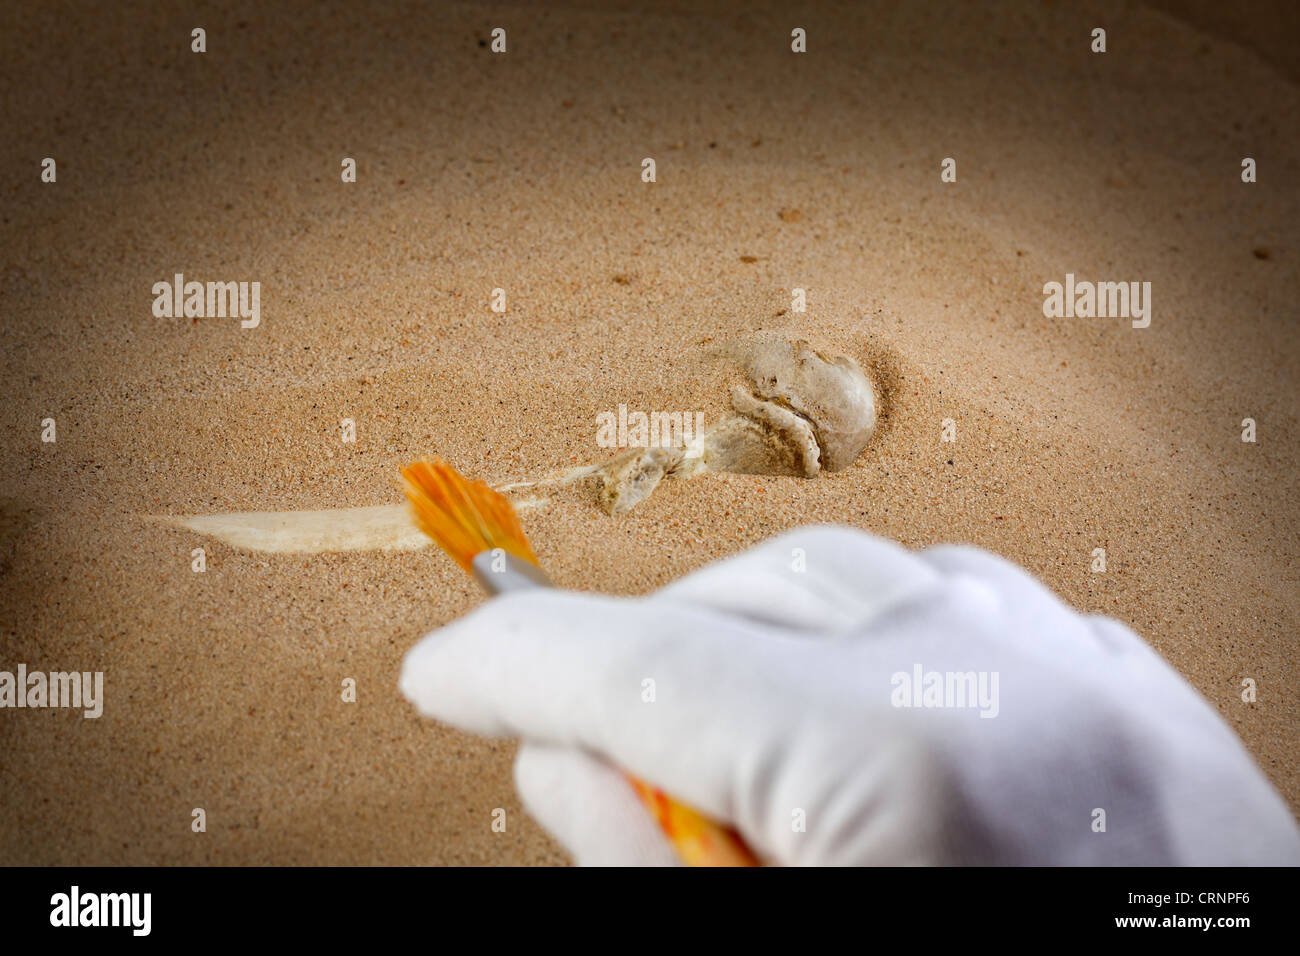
x=522, y=172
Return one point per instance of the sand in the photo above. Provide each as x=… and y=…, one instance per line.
x=522, y=172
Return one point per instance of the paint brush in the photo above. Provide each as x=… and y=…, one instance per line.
x=478, y=527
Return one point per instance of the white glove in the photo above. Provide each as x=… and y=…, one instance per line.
x=778, y=707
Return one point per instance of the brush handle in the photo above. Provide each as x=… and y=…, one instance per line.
x=498, y=571
x=697, y=839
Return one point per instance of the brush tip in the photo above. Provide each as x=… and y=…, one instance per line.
x=464, y=517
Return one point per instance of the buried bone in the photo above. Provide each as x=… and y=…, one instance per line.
x=806, y=413
x=834, y=396
x=803, y=414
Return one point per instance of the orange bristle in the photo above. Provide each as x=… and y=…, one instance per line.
x=464, y=517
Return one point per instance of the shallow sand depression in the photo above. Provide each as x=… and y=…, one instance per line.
x=775, y=172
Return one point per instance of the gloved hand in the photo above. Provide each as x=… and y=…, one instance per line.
x=784, y=701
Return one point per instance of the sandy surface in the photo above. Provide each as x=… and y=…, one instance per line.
x=523, y=172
